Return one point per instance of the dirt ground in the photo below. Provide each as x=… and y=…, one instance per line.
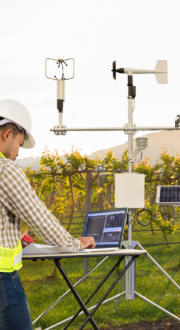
x=158, y=325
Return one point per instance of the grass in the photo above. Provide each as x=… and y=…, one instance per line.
x=42, y=289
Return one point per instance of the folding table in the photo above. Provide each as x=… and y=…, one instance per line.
x=122, y=253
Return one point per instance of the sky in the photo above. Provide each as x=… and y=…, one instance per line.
x=135, y=33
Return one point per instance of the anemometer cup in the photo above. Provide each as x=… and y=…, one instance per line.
x=60, y=62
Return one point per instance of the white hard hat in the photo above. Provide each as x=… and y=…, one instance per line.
x=17, y=113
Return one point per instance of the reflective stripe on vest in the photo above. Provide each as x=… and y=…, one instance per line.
x=11, y=259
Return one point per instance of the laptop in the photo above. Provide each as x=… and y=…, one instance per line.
x=107, y=228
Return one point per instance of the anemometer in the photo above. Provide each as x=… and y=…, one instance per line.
x=60, y=90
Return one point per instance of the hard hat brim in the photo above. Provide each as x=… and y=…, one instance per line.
x=29, y=142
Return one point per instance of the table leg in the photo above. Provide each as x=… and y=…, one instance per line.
x=78, y=298
x=67, y=292
x=106, y=294
x=95, y=291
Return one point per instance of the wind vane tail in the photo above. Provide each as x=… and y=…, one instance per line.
x=161, y=72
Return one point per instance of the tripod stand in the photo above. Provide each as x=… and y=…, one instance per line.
x=160, y=72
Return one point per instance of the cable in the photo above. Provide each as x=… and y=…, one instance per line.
x=137, y=217
x=132, y=219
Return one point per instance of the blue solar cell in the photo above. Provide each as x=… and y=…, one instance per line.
x=170, y=194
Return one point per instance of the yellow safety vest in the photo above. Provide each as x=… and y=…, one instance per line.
x=11, y=259
x=1, y=155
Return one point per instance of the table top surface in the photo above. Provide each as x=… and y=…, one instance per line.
x=120, y=252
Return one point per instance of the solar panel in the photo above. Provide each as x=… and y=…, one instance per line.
x=168, y=195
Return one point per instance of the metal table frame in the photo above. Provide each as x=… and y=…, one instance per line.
x=133, y=254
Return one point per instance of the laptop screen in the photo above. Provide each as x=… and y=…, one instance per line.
x=106, y=227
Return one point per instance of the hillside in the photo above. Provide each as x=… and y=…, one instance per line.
x=171, y=140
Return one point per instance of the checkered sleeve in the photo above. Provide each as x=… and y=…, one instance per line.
x=21, y=200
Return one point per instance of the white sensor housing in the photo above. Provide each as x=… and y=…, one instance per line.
x=129, y=190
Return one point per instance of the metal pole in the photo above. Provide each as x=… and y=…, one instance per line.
x=101, y=193
x=129, y=282
x=155, y=262
x=130, y=121
x=152, y=303
x=87, y=209
x=60, y=119
x=124, y=129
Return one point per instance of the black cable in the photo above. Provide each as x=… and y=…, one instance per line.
x=137, y=217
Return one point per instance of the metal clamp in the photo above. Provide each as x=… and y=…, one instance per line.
x=133, y=126
x=59, y=132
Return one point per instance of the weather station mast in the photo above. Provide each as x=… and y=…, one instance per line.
x=129, y=187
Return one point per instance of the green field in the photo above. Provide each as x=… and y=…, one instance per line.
x=42, y=288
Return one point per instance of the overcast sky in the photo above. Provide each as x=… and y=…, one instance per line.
x=135, y=33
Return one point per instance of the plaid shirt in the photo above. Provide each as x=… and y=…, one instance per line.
x=18, y=201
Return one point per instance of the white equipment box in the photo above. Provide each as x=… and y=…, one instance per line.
x=129, y=190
